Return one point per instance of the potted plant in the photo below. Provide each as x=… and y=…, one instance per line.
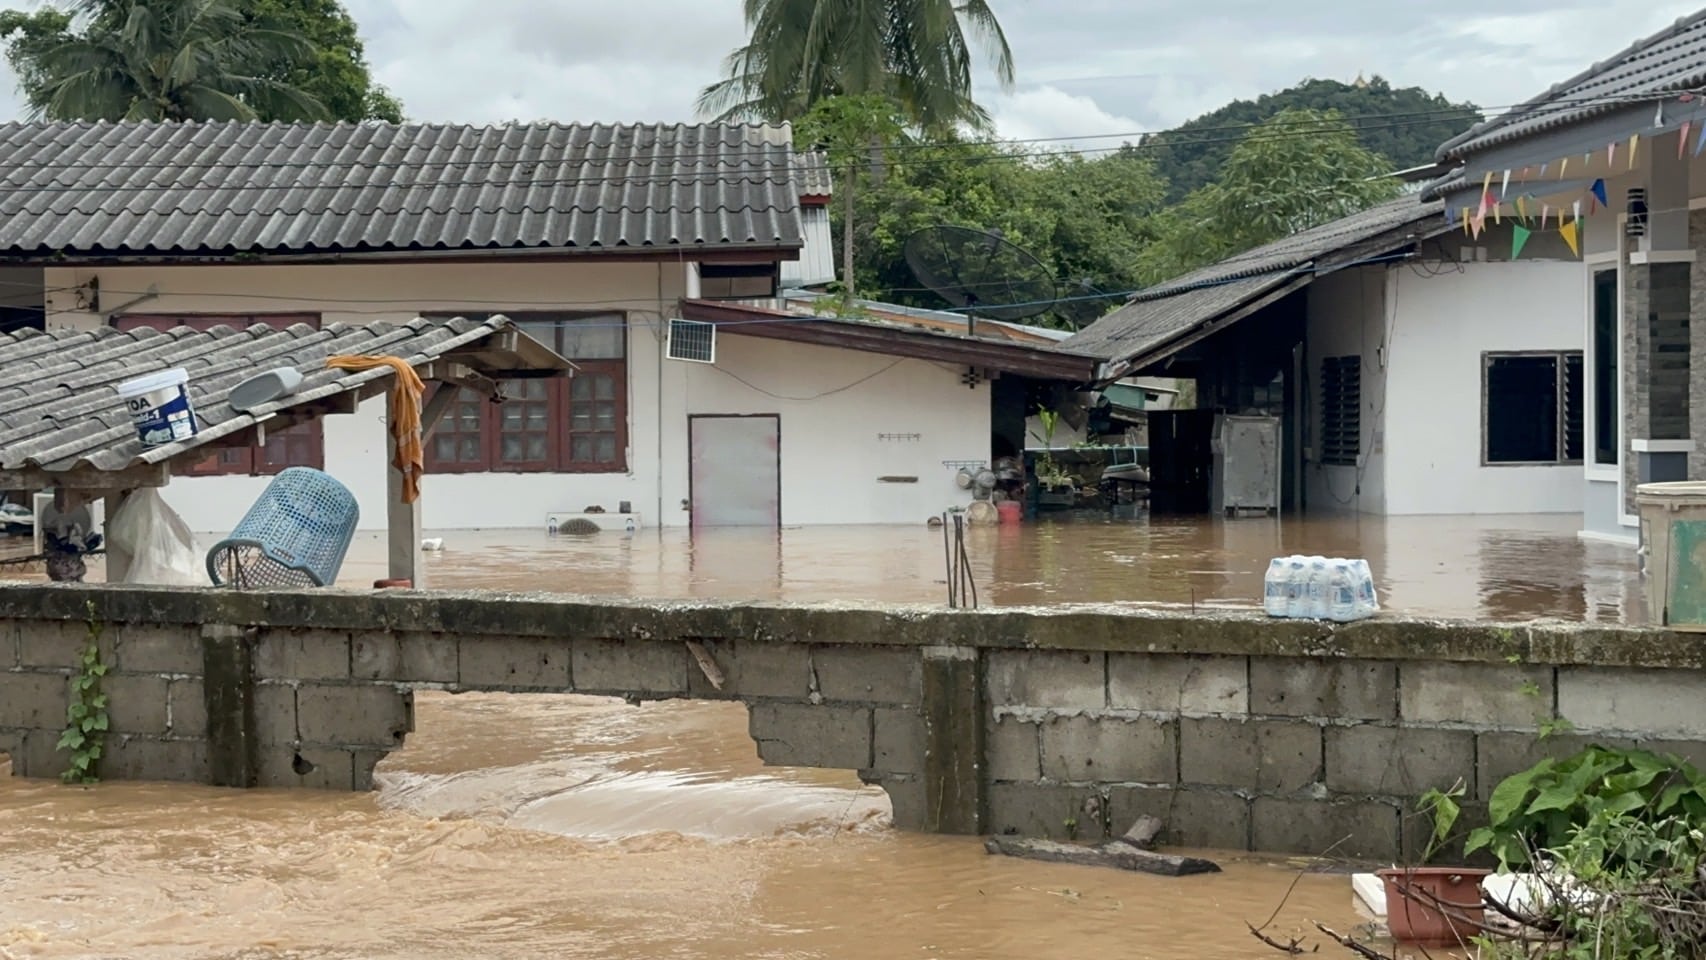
x=1435, y=906
x=1058, y=487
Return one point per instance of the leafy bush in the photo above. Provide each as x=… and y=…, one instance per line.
x=1546, y=806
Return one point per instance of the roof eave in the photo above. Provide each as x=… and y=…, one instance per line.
x=1044, y=362
x=775, y=251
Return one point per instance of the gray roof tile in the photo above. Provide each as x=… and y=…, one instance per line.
x=1174, y=308
x=1666, y=63
x=59, y=409
x=811, y=170
x=161, y=188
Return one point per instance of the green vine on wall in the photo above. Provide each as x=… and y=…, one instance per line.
x=86, y=716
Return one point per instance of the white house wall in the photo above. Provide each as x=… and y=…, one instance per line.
x=846, y=420
x=830, y=454
x=1442, y=322
x=1347, y=312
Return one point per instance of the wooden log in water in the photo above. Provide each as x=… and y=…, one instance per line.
x=1118, y=855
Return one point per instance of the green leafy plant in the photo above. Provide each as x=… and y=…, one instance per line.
x=1444, y=807
x=1050, y=474
x=1546, y=806
x=86, y=720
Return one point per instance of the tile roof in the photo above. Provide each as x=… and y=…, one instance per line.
x=1172, y=309
x=59, y=410
x=1666, y=63
x=220, y=188
x=811, y=170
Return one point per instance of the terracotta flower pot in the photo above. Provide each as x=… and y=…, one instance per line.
x=1411, y=897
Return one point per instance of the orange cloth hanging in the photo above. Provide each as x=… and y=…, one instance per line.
x=406, y=394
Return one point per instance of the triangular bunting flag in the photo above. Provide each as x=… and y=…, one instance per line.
x=1487, y=182
x=1477, y=225
x=1543, y=168
x=1498, y=208
x=1563, y=165
x=1611, y=153
x=1599, y=192
x=1466, y=219
x=1575, y=210
x=1450, y=217
x=1700, y=142
x=1634, y=141
x=1505, y=186
x=1568, y=232
x=1545, y=210
x=1519, y=239
x=1682, y=139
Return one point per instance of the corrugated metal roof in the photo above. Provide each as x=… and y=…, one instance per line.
x=59, y=409
x=812, y=170
x=216, y=188
x=1174, y=308
x=1666, y=63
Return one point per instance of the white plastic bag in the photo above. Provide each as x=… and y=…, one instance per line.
x=161, y=547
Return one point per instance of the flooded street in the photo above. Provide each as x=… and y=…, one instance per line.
x=1507, y=568
x=525, y=826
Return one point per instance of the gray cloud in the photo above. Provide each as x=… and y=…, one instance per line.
x=1085, y=67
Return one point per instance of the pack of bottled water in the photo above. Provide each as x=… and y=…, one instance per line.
x=1319, y=588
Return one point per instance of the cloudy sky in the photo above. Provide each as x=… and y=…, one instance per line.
x=1085, y=67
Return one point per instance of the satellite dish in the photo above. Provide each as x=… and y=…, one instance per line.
x=980, y=271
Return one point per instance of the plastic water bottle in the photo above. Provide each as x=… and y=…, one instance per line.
x=1318, y=577
x=1342, y=593
x=1296, y=587
x=1274, y=588
x=1367, y=603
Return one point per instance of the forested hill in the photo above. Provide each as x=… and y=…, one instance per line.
x=1403, y=125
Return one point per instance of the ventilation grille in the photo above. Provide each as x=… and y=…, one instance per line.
x=1341, y=410
x=692, y=340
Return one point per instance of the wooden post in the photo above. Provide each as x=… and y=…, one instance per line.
x=118, y=561
x=402, y=520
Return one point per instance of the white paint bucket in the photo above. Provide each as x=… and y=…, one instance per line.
x=160, y=407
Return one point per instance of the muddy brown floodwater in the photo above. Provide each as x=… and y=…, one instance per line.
x=532, y=825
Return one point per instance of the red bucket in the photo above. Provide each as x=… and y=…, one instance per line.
x=1009, y=511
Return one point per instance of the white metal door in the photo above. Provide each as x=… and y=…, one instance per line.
x=735, y=470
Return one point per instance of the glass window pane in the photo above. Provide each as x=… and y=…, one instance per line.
x=512, y=415
x=535, y=447
x=444, y=448
x=512, y=448
x=470, y=450
x=594, y=338
x=1522, y=410
x=605, y=387
x=606, y=448
x=581, y=387
x=536, y=418
x=606, y=416
x=581, y=450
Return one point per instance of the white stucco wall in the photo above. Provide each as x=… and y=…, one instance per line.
x=829, y=445
x=1347, y=312
x=1441, y=324
x=1421, y=394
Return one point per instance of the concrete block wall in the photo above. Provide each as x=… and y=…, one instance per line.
x=1240, y=732
x=1301, y=755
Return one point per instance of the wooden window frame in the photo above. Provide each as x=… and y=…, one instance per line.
x=560, y=406
x=249, y=460
x=1560, y=383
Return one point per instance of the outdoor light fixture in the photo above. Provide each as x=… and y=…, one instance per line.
x=1637, y=211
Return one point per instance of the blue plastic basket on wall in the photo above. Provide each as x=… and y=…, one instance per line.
x=295, y=535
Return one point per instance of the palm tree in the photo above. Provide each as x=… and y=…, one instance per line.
x=802, y=51
x=160, y=60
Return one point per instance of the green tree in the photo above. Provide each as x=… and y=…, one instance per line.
x=852, y=132
x=1086, y=219
x=1403, y=125
x=1299, y=170
x=338, y=76
x=915, y=51
x=192, y=60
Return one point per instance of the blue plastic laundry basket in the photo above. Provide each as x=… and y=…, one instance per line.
x=295, y=535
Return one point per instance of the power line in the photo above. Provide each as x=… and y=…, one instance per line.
x=1178, y=136
x=779, y=172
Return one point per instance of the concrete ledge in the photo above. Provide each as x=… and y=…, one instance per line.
x=1083, y=629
